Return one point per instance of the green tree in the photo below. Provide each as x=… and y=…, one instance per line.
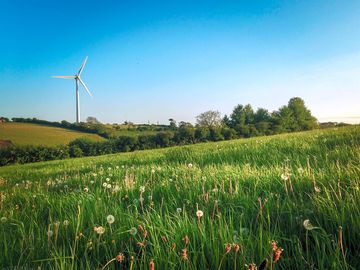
x=301, y=115
x=262, y=120
x=226, y=121
x=202, y=134
x=164, y=138
x=92, y=120
x=249, y=114
x=209, y=119
x=185, y=133
x=228, y=133
x=238, y=117
x=283, y=120
x=172, y=124
x=215, y=134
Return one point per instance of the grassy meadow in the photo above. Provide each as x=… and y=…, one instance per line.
x=33, y=134
x=205, y=206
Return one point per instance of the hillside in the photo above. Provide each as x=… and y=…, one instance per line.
x=34, y=134
x=204, y=206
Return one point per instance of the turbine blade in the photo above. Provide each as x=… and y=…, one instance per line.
x=64, y=77
x=82, y=66
x=87, y=90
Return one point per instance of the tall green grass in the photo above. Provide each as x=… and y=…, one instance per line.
x=250, y=191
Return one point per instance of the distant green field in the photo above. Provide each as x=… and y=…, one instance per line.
x=134, y=133
x=129, y=130
x=33, y=134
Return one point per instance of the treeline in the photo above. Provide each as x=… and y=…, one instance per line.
x=289, y=118
x=242, y=122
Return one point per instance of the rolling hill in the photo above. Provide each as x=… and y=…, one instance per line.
x=34, y=134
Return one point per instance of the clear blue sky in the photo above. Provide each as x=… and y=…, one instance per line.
x=154, y=60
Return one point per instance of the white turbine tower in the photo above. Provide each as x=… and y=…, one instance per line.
x=77, y=80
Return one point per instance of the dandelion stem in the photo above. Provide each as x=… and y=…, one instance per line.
x=108, y=263
x=342, y=246
x=221, y=261
x=75, y=241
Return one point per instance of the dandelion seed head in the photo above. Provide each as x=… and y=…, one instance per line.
x=66, y=222
x=110, y=219
x=179, y=210
x=284, y=177
x=99, y=230
x=300, y=170
x=199, y=213
x=133, y=231
x=307, y=225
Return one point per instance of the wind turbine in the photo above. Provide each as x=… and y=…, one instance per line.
x=77, y=80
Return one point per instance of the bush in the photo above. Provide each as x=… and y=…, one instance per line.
x=147, y=141
x=228, y=133
x=26, y=154
x=125, y=144
x=202, y=134
x=164, y=138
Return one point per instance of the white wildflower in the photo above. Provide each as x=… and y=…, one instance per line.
x=133, y=231
x=110, y=219
x=308, y=226
x=99, y=230
x=199, y=213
